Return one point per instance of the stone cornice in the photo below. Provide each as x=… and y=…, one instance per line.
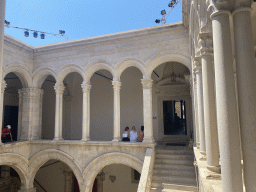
x=18, y=43
x=113, y=36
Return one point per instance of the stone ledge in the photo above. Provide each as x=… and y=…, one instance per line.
x=208, y=181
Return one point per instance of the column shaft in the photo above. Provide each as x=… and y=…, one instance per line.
x=58, y=111
x=227, y=115
x=86, y=112
x=246, y=79
x=200, y=108
x=147, y=110
x=20, y=113
x=116, y=87
x=210, y=120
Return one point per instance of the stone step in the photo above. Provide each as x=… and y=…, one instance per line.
x=173, y=186
x=173, y=162
x=174, y=152
x=170, y=156
x=164, y=172
x=166, y=190
x=175, y=167
x=174, y=179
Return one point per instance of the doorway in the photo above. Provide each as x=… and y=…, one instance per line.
x=11, y=118
x=174, y=117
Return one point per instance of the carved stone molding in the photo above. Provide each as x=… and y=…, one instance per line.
x=116, y=85
x=86, y=87
x=205, y=44
x=32, y=92
x=59, y=89
x=147, y=83
x=197, y=68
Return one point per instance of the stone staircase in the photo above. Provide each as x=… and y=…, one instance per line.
x=173, y=170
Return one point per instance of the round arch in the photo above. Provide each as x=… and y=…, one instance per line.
x=95, y=66
x=102, y=161
x=129, y=62
x=22, y=72
x=18, y=163
x=41, y=74
x=65, y=70
x=164, y=57
x=42, y=157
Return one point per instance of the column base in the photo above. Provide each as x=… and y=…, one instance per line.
x=116, y=140
x=24, y=189
x=202, y=156
x=198, y=145
x=85, y=140
x=215, y=169
x=58, y=139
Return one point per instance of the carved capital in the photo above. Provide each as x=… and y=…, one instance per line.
x=3, y=86
x=147, y=83
x=197, y=68
x=217, y=6
x=205, y=44
x=59, y=89
x=86, y=87
x=116, y=85
x=31, y=92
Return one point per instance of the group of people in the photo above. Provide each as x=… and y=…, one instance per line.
x=6, y=134
x=132, y=135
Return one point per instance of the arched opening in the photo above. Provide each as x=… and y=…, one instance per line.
x=9, y=179
x=48, y=108
x=116, y=177
x=55, y=176
x=101, y=106
x=131, y=99
x=11, y=110
x=171, y=103
x=72, y=107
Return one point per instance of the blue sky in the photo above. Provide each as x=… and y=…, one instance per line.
x=83, y=18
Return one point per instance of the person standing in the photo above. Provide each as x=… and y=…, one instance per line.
x=141, y=134
x=133, y=134
x=6, y=131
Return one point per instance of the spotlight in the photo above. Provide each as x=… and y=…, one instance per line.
x=35, y=34
x=6, y=22
x=157, y=21
x=26, y=33
x=163, y=12
x=42, y=36
x=170, y=4
x=61, y=32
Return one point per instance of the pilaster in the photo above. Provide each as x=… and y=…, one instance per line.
x=86, y=111
x=59, y=90
x=31, y=101
x=147, y=110
x=1, y=106
x=116, y=87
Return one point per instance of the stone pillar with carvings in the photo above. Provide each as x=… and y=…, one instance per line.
x=59, y=90
x=210, y=120
x=2, y=19
x=2, y=106
x=86, y=111
x=200, y=105
x=31, y=103
x=246, y=78
x=116, y=87
x=147, y=110
x=226, y=103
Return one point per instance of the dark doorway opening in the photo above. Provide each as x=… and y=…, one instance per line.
x=11, y=118
x=174, y=112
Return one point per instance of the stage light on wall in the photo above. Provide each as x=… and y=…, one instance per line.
x=26, y=33
x=42, y=36
x=157, y=20
x=61, y=32
x=35, y=34
x=6, y=22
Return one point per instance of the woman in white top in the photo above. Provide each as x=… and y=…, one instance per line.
x=133, y=135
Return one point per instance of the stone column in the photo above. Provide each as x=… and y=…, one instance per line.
x=246, y=79
x=196, y=113
x=2, y=107
x=86, y=111
x=210, y=120
x=116, y=87
x=200, y=106
x=24, y=189
x=227, y=114
x=20, y=113
x=147, y=110
x=31, y=101
x=2, y=19
x=59, y=89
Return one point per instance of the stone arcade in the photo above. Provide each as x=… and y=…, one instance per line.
x=69, y=102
